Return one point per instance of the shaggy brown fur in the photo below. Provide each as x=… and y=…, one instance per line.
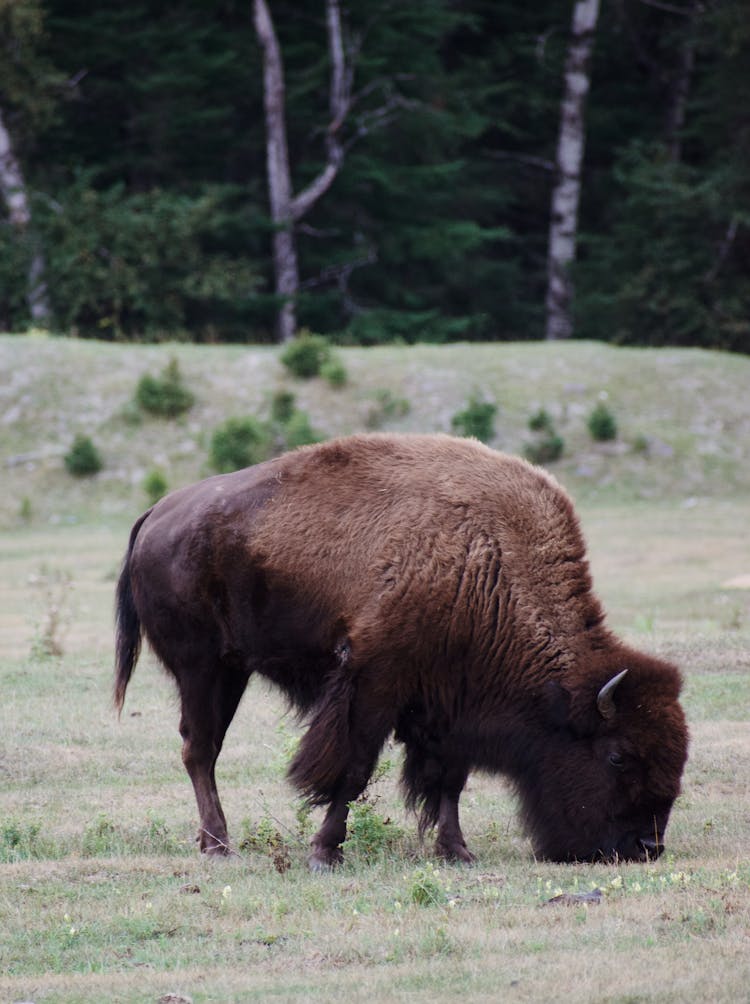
x=422, y=585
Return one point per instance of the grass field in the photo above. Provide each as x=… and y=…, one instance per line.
x=102, y=893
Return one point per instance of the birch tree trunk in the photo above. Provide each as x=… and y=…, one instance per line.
x=680, y=90
x=286, y=208
x=566, y=193
x=13, y=190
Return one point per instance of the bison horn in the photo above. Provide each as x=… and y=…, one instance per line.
x=604, y=701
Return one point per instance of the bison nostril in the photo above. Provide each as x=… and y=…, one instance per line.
x=652, y=848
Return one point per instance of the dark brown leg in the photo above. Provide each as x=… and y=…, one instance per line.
x=208, y=707
x=336, y=758
x=450, y=843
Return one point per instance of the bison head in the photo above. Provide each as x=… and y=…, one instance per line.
x=602, y=784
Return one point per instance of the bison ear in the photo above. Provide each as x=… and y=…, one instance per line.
x=564, y=713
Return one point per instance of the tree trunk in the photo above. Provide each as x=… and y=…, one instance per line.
x=286, y=209
x=13, y=190
x=285, y=267
x=566, y=194
x=680, y=89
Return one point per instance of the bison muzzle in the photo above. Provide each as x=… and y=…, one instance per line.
x=424, y=586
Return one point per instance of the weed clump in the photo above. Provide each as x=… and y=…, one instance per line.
x=427, y=887
x=23, y=842
x=54, y=586
x=83, y=458
x=602, y=424
x=477, y=419
x=369, y=835
x=265, y=838
x=165, y=396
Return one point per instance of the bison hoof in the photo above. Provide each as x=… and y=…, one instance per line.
x=212, y=845
x=217, y=850
x=455, y=852
x=323, y=859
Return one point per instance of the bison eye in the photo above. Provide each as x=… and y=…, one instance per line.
x=616, y=760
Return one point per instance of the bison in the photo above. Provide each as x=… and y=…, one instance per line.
x=422, y=586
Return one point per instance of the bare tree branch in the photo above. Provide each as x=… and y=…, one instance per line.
x=670, y=8
x=339, y=101
x=523, y=158
x=724, y=248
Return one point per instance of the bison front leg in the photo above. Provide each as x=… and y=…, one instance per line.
x=450, y=843
x=433, y=780
x=336, y=758
x=325, y=847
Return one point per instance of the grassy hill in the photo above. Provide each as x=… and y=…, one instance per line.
x=683, y=415
x=104, y=892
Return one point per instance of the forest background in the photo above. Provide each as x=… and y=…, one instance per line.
x=139, y=131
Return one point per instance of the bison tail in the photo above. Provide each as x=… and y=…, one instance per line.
x=128, y=638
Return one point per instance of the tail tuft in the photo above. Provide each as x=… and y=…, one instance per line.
x=128, y=643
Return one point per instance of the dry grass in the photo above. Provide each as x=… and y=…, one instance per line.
x=102, y=893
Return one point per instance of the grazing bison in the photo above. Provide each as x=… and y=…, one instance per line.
x=419, y=585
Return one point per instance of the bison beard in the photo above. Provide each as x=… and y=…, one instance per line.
x=419, y=585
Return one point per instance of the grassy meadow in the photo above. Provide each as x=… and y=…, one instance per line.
x=103, y=895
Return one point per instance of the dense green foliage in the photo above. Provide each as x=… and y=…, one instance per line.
x=238, y=442
x=476, y=419
x=140, y=130
x=306, y=355
x=83, y=458
x=165, y=395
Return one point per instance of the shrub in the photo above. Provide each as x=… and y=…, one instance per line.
x=546, y=450
x=387, y=406
x=602, y=424
x=298, y=431
x=83, y=459
x=334, y=372
x=306, y=355
x=548, y=445
x=238, y=442
x=165, y=396
x=282, y=406
x=541, y=421
x=155, y=485
x=477, y=419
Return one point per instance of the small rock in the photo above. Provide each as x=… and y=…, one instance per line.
x=575, y=898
